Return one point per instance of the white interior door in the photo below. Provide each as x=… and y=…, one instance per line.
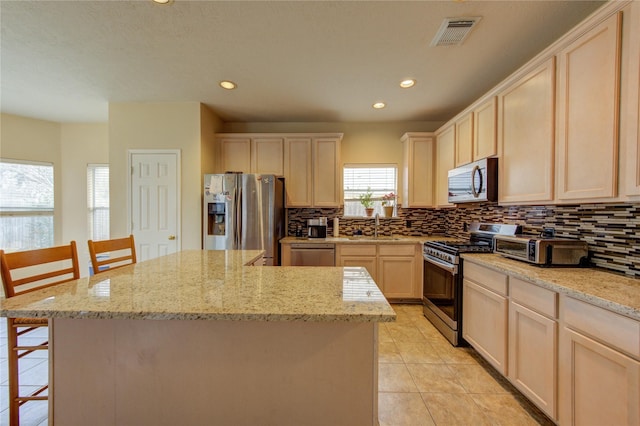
x=155, y=202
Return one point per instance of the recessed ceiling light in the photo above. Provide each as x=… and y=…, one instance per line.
x=379, y=105
x=229, y=85
x=162, y=1
x=405, y=84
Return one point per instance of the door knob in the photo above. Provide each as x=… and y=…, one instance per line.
x=172, y=237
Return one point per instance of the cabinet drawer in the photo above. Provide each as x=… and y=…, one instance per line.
x=357, y=249
x=396, y=249
x=493, y=280
x=606, y=326
x=536, y=298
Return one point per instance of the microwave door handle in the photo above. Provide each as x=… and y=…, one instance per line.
x=476, y=191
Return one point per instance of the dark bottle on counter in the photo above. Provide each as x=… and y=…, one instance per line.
x=299, y=231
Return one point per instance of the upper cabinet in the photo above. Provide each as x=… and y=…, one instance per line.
x=312, y=170
x=251, y=154
x=484, y=129
x=445, y=140
x=526, y=137
x=464, y=140
x=418, y=170
x=630, y=117
x=587, y=112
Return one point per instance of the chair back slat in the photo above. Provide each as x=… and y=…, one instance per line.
x=30, y=270
x=123, y=251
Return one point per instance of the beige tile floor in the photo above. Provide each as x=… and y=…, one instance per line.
x=423, y=380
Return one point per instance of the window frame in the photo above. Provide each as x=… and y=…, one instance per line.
x=91, y=204
x=378, y=193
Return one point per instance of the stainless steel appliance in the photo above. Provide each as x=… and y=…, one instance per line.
x=543, y=251
x=474, y=182
x=313, y=254
x=442, y=279
x=244, y=211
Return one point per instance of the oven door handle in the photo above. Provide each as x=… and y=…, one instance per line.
x=452, y=269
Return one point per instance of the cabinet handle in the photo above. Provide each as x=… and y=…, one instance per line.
x=172, y=237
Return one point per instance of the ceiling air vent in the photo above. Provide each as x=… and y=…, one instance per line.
x=453, y=31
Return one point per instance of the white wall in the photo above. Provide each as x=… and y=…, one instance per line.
x=70, y=147
x=160, y=125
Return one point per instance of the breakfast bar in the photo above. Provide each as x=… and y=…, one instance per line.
x=199, y=337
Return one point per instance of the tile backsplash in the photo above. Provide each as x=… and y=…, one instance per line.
x=611, y=230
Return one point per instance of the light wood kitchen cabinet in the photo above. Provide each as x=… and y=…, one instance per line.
x=588, y=114
x=418, y=170
x=526, y=137
x=365, y=255
x=267, y=156
x=485, y=314
x=235, y=154
x=298, y=178
x=484, y=129
x=464, y=140
x=445, y=141
x=312, y=171
x=327, y=172
x=533, y=343
x=631, y=101
x=398, y=271
x=599, y=366
x=251, y=154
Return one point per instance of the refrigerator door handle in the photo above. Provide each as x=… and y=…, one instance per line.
x=239, y=208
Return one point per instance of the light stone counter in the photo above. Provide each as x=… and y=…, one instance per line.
x=365, y=239
x=198, y=338
x=605, y=289
x=211, y=285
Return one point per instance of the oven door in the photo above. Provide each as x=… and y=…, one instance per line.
x=441, y=291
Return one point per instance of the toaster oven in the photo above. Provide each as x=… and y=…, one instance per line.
x=542, y=251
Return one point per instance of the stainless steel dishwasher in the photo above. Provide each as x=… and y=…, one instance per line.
x=313, y=254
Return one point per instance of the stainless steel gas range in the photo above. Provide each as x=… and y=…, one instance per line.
x=443, y=270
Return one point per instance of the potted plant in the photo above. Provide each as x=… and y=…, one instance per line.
x=367, y=201
x=387, y=203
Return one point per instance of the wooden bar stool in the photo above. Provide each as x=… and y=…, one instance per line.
x=23, y=272
x=123, y=251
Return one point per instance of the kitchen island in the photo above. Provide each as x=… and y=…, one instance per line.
x=197, y=337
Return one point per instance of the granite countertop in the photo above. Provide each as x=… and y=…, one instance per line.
x=211, y=285
x=609, y=290
x=365, y=239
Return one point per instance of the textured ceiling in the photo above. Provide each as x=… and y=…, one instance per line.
x=292, y=60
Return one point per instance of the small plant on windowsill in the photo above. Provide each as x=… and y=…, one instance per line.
x=366, y=200
x=387, y=203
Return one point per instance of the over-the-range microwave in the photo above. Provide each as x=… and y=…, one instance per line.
x=474, y=182
x=542, y=251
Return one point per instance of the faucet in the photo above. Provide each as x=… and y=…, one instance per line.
x=376, y=224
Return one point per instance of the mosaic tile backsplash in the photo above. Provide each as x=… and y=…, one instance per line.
x=611, y=230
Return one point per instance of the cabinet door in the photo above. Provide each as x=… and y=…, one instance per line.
x=588, y=100
x=532, y=356
x=418, y=173
x=598, y=385
x=267, y=156
x=444, y=163
x=236, y=155
x=484, y=130
x=631, y=96
x=526, y=137
x=484, y=323
x=327, y=178
x=297, y=172
x=397, y=275
x=368, y=262
x=464, y=140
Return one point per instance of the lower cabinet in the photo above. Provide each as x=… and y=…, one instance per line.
x=577, y=362
x=599, y=366
x=484, y=320
x=396, y=268
x=533, y=343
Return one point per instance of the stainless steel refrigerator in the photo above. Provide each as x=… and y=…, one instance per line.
x=244, y=211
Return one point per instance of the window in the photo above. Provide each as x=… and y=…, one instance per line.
x=98, y=201
x=381, y=179
x=26, y=205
